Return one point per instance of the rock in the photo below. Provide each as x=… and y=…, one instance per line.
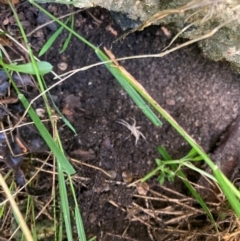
x=197, y=18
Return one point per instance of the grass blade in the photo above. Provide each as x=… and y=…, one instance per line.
x=129, y=89
x=65, y=120
x=67, y=41
x=230, y=194
x=164, y=153
x=78, y=218
x=16, y=210
x=51, y=40
x=197, y=197
x=67, y=167
x=64, y=202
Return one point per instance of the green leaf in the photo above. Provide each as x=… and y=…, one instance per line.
x=161, y=179
x=158, y=162
x=92, y=239
x=43, y=68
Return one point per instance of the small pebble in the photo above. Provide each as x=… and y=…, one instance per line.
x=170, y=101
x=113, y=174
x=38, y=34
x=127, y=176
x=166, y=31
x=62, y=66
x=40, y=112
x=142, y=188
x=5, y=21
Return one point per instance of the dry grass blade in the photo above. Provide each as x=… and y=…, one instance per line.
x=210, y=11
x=165, y=13
x=178, y=216
x=18, y=214
x=188, y=6
x=91, y=166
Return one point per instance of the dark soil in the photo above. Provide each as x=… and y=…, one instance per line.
x=201, y=95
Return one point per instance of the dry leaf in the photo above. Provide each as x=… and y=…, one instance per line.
x=4, y=41
x=12, y=1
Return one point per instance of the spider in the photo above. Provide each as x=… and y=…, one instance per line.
x=133, y=128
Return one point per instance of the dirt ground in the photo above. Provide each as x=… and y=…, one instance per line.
x=201, y=95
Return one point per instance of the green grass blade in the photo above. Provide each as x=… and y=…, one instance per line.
x=59, y=232
x=150, y=174
x=92, y=239
x=129, y=89
x=64, y=202
x=2, y=207
x=223, y=181
x=67, y=167
x=189, y=186
x=67, y=41
x=197, y=197
x=164, y=153
x=33, y=220
x=78, y=218
x=51, y=40
x=65, y=120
